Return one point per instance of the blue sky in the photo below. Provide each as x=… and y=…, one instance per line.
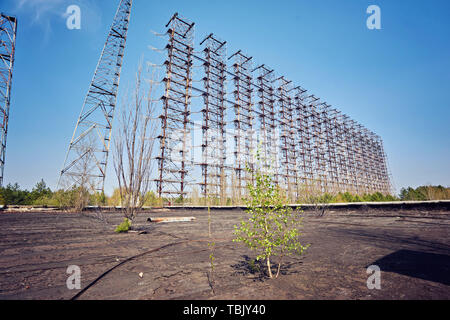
x=395, y=81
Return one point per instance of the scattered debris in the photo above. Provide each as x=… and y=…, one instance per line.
x=171, y=219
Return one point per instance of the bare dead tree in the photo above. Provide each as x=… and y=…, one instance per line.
x=134, y=143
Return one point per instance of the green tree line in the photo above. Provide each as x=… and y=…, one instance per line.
x=42, y=195
x=424, y=193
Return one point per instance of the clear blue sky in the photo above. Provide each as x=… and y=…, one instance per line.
x=395, y=81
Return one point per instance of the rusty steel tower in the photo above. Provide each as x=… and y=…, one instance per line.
x=87, y=156
x=243, y=123
x=173, y=164
x=213, y=128
x=8, y=30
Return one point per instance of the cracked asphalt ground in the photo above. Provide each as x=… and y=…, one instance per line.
x=412, y=249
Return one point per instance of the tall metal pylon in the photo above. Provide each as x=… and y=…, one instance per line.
x=87, y=156
x=8, y=31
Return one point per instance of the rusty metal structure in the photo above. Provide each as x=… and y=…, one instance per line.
x=173, y=164
x=213, y=128
x=309, y=147
x=8, y=31
x=87, y=156
x=243, y=123
x=266, y=135
x=288, y=155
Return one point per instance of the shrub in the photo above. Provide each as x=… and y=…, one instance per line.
x=347, y=197
x=390, y=198
x=124, y=226
x=97, y=199
x=325, y=198
x=151, y=199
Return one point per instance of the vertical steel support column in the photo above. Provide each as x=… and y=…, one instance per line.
x=243, y=122
x=8, y=31
x=349, y=155
x=214, y=182
x=308, y=111
x=331, y=147
x=288, y=155
x=174, y=138
x=342, y=167
x=301, y=127
x=267, y=134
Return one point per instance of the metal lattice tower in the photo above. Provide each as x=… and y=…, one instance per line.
x=331, y=148
x=87, y=156
x=8, y=30
x=267, y=125
x=213, y=128
x=302, y=139
x=173, y=164
x=243, y=123
x=288, y=155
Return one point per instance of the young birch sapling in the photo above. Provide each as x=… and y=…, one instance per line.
x=272, y=228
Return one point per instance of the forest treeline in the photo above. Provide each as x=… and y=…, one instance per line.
x=42, y=195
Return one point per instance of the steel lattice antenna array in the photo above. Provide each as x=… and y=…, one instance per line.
x=309, y=147
x=87, y=156
x=8, y=30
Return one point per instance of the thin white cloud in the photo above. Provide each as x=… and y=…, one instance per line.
x=46, y=14
x=40, y=10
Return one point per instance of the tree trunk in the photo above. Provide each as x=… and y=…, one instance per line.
x=278, y=270
x=279, y=265
x=268, y=268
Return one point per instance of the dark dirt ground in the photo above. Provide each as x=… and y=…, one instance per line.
x=412, y=248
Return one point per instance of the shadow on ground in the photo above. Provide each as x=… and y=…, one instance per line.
x=427, y=266
x=380, y=237
x=250, y=266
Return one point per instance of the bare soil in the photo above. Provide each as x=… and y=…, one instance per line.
x=411, y=247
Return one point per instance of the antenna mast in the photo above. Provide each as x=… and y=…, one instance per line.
x=87, y=156
x=8, y=30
